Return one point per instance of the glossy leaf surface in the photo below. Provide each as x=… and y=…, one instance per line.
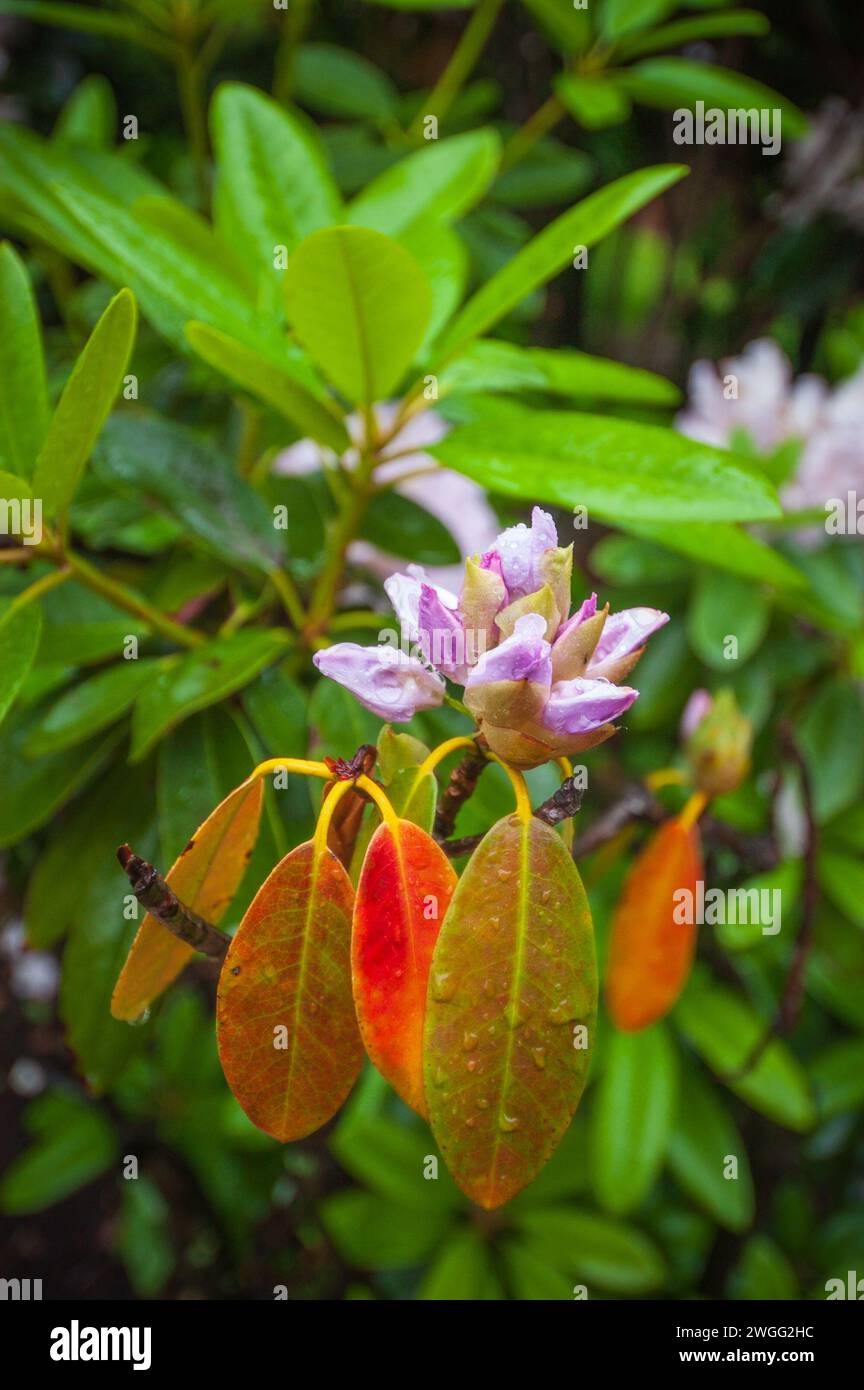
x=511, y=1011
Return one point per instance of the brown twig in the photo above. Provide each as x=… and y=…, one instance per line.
x=153, y=892
x=560, y=806
x=637, y=803
x=463, y=780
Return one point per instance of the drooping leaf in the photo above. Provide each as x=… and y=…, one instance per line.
x=204, y=878
x=595, y=102
x=20, y=631
x=837, y=1075
x=722, y=546
x=273, y=187
x=462, y=1271
x=285, y=1021
x=619, y=17
x=842, y=880
x=510, y=1018
x=831, y=734
x=89, y=706
x=178, y=471
x=359, y=304
x=652, y=944
x=634, y=1108
x=703, y=1139
x=691, y=30
x=724, y=606
x=73, y=1142
x=339, y=82
x=551, y=250
x=437, y=184
x=681, y=82
x=23, y=396
x=725, y=1030
x=263, y=378
x=613, y=467
x=89, y=115
x=372, y=1233
x=598, y=1250
x=399, y=526
x=200, y=678
x=763, y=1273
x=494, y=367
x=84, y=405
x=90, y=21
x=33, y=790
x=405, y=888
x=144, y=1238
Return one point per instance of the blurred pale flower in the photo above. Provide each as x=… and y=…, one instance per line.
x=539, y=684
x=452, y=499
x=755, y=395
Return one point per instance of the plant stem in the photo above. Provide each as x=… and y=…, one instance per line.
x=287, y=591
x=544, y=119
x=294, y=26
x=343, y=532
x=42, y=586
x=189, y=86
x=130, y=602
x=153, y=892
x=462, y=61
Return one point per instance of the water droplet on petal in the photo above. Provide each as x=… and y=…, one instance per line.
x=507, y=1123
x=503, y=874
x=560, y=1012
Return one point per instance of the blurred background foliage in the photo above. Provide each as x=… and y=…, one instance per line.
x=633, y=1203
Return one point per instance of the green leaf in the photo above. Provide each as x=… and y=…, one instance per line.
x=20, y=631
x=32, y=791
x=549, y=252
x=532, y=1278
x=23, y=396
x=703, y=1138
x=723, y=606
x=620, y=16
x=438, y=184
x=549, y=172
x=723, y=547
x=90, y=21
x=119, y=808
x=399, y=526
x=360, y=304
x=461, y=1272
x=89, y=707
x=73, y=1143
x=338, y=82
x=724, y=1030
x=595, y=102
x=837, y=1075
x=681, y=82
x=373, y=1233
x=85, y=404
x=89, y=116
x=513, y=979
x=495, y=367
x=763, y=1272
x=80, y=627
x=338, y=722
x=199, y=764
x=634, y=1108
x=569, y=28
x=842, y=881
x=831, y=735
x=144, y=1238
x=198, y=679
x=156, y=461
x=262, y=378
x=682, y=31
x=597, y=1249
x=616, y=468
x=443, y=258
x=835, y=970
x=273, y=186
x=391, y=1160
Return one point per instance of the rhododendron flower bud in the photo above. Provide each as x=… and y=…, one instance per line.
x=718, y=741
x=385, y=680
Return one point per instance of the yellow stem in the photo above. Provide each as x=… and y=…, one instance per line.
x=665, y=777
x=442, y=751
x=566, y=766
x=523, y=800
x=319, y=841
x=300, y=765
x=388, y=815
x=693, y=810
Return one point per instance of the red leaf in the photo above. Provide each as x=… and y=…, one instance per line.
x=405, y=888
x=650, y=953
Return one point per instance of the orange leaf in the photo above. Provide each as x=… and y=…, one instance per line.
x=205, y=878
x=405, y=888
x=285, y=1022
x=650, y=953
